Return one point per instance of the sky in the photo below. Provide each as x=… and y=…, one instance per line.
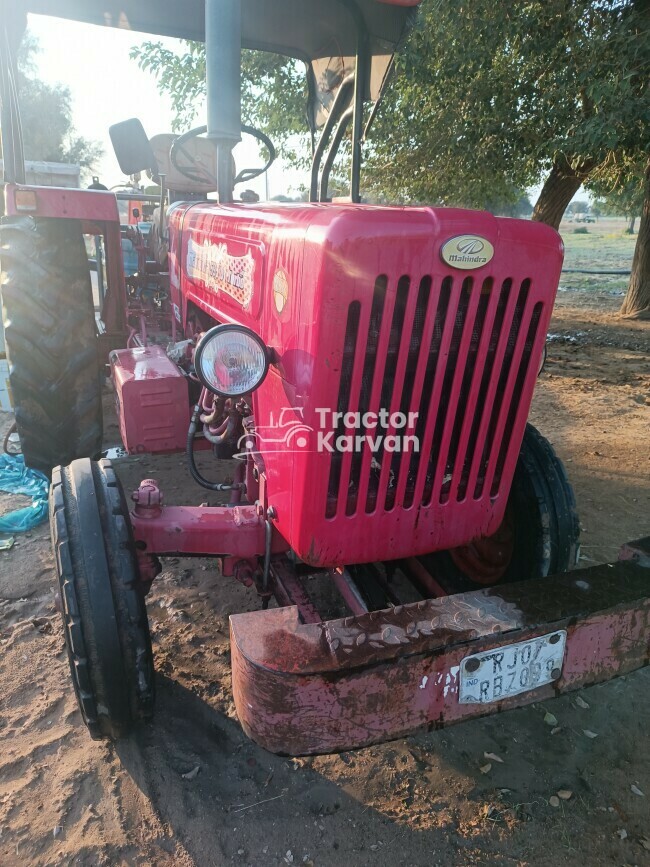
x=107, y=87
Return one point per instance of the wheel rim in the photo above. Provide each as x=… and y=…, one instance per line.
x=486, y=560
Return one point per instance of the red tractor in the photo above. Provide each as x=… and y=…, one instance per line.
x=367, y=372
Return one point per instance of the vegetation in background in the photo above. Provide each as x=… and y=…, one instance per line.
x=274, y=92
x=488, y=99
x=621, y=193
x=46, y=116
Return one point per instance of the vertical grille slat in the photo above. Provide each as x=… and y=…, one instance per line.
x=460, y=354
x=512, y=348
x=467, y=396
x=513, y=394
x=392, y=383
x=444, y=350
x=479, y=359
x=416, y=325
x=462, y=378
x=498, y=346
x=429, y=310
x=491, y=334
x=450, y=383
x=527, y=374
x=350, y=347
x=375, y=388
x=432, y=341
x=369, y=364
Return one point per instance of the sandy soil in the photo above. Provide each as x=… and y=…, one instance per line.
x=420, y=801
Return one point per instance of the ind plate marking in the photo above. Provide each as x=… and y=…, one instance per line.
x=493, y=675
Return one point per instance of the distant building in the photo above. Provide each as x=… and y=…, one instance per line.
x=44, y=174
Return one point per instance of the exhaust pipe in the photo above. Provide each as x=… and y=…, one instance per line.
x=223, y=85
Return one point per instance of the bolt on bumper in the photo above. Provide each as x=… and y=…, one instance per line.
x=306, y=688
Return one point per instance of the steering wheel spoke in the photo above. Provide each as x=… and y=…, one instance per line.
x=197, y=174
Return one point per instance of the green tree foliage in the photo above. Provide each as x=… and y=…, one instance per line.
x=488, y=99
x=490, y=96
x=46, y=116
x=621, y=191
x=274, y=92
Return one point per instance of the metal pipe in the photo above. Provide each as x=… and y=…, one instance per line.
x=268, y=538
x=357, y=123
x=349, y=590
x=426, y=583
x=332, y=152
x=12, y=146
x=335, y=112
x=224, y=431
x=189, y=453
x=239, y=485
x=223, y=85
x=223, y=69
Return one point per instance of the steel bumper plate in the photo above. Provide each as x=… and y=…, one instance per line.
x=313, y=688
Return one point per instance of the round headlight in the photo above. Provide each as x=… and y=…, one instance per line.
x=231, y=360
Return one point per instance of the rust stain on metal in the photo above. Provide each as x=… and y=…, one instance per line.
x=305, y=688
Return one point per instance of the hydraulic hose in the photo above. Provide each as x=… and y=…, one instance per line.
x=223, y=433
x=189, y=452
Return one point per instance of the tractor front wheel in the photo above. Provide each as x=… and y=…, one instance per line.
x=50, y=334
x=102, y=599
x=539, y=533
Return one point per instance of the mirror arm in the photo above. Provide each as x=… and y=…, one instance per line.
x=162, y=205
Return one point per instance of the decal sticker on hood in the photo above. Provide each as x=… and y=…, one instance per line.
x=213, y=265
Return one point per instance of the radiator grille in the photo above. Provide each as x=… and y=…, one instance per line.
x=458, y=354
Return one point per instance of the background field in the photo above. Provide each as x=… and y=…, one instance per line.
x=418, y=802
x=594, y=247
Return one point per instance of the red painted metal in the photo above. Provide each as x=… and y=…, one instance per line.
x=424, y=580
x=349, y=592
x=149, y=566
x=289, y=590
x=638, y=551
x=486, y=560
x=304, y=688
x=148, y=499
x=96, y=206
x=459, y=348
x=202, y=530
x=99, y=215
x=152, y=400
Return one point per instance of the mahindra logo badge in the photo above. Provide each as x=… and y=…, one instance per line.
x=470, y=247
x=467, y=252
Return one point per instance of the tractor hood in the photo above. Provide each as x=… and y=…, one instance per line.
x=323, y=33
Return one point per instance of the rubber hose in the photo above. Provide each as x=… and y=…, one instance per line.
x=189, y=452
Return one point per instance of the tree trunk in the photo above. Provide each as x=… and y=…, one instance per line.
x=560, y=187
x=630, y=228
x=637, y=301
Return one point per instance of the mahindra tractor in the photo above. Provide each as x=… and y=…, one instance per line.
x=361, y=376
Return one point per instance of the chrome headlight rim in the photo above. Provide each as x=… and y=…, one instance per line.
x=226, y=328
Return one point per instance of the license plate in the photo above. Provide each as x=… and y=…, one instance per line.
x=512, y=669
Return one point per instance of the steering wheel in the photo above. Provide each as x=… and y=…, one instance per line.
x=198, y=174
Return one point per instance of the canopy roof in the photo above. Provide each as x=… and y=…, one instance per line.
x=320, y=32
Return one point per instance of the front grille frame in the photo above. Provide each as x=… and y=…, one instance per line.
x=477, y=346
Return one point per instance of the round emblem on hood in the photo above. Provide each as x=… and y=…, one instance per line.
x=280, y=289
x=467, y=252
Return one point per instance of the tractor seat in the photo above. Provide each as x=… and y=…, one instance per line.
x=199, y=153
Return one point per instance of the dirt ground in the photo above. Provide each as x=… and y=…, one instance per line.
x=420, y=801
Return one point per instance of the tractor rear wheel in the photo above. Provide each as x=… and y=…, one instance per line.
x=539, y=533
x=50, y=334
x=102, y=599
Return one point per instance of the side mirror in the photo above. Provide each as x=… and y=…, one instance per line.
x=132, y=148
